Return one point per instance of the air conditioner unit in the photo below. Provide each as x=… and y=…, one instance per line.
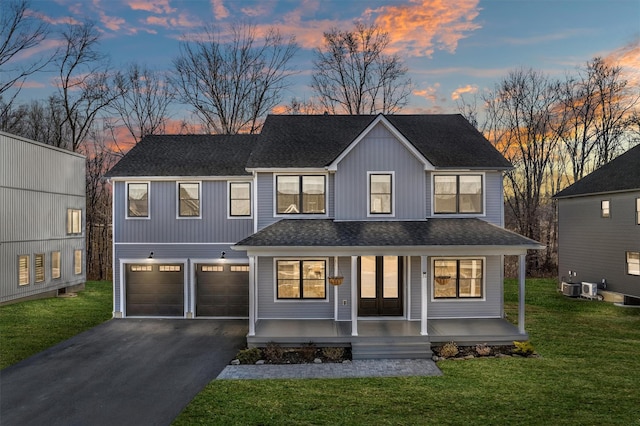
x=589, y=290
x=571, y=289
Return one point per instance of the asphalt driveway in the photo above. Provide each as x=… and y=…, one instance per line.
x=122, y=372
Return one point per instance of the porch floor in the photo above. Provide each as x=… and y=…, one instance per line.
x=492, y=331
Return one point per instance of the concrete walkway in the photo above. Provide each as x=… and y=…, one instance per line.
x=357, y=368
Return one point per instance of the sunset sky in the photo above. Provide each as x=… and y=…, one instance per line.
x=451, y=47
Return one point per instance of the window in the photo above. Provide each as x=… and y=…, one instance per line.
x=138, y=200
x=633, y=263
x=604, y=207
x=74, y=221
x=239, y=199
x=55, y=264
x=188, y=199
x=39, y=269
x=300, y=194
x=457, y=194
x=141, y=268
x=301, y=279
x=212, y=268
x=458, y=278
x=638, y=211
x=23, y=269
x=77, y=262
x=169, y=268
x=380, y=193
x=239, y=268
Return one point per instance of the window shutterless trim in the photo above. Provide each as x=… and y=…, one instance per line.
x=637, y=211
x=605, y=209
x=72, y=214
x=392, y=202
x=77, y=262
x=189, y=182
x=126, y=200
x=24, y=269
x=229, y=200
x=56, y=267
x=628, y=263
x=483, y=201
x=300, y=261
x=457, y=298
x=300, y=195
x=39, y=274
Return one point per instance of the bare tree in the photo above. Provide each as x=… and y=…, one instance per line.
x=143, y=101
x=353, y=75
x=83, y=89
x=19, y=31
x=232, y=84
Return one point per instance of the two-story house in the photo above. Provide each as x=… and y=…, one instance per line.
x=383, y=233
x=599, y=228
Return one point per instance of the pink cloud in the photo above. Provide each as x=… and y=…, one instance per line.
x=32, y=85
x=153, y=6
x=182, y=20
x=462, y=90
x=112, y=23
x=627, y=57
x=53, y=21
x=219, y=11
x=430, y=93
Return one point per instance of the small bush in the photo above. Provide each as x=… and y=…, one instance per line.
x=249, y=356
x=308, y=352
x=523, y=348
x=449, y=350
x=483, y=350
x=273, y=352
x=333, y=353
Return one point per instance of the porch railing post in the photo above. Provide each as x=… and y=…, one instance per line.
x=423, y=292
x=521, y=275
x=252, y=296
x=354, y=295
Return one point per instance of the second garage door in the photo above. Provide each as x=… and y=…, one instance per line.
x=222, y=290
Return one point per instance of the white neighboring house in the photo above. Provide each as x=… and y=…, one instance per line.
x=42, y=210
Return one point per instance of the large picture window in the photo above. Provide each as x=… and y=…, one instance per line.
x=74, y=221
x=300, y=194
x=189, y=199
x=633, y=263
x=380, y=193
x=458, y=278
x=455, y=194
x=239, y=199
x=301, y=279
x=137, y=200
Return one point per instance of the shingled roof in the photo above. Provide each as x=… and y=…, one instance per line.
x=186, y=155
x=432, y=232
x=446, y=141
x=620, y=174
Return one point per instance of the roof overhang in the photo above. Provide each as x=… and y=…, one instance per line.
x=434, y=250
x=173, y=178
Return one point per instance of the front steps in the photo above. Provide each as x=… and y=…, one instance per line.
x=391, y=348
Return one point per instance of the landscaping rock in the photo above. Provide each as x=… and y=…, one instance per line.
x=260, y=362
x=469, y=357
x=235, y=362
x=317, y=361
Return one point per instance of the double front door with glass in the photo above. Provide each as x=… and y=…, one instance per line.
x=380, y=286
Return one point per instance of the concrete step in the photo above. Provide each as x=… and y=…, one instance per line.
x=390, y=350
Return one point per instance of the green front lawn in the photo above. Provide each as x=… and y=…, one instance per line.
x=27, y=328
x=589, y=374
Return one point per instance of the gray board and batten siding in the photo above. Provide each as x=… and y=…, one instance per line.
x=38, y=184
x=593, y=246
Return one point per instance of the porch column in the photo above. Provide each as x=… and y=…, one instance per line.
x=252, y=296
x=423, y=292
x=354, y=295
x=335, y=290
x=521, y=275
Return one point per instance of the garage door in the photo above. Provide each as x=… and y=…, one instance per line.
x=222, y=290
x=155, y=290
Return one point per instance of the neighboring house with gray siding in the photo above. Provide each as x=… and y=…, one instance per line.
x=405, y=212
x=599, y=228
x=42, y=235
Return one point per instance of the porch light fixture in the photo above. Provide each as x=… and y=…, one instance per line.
x=150, y=255
x=222, y=255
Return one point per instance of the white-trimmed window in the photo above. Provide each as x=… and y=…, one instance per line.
x=141, y=268
x=239, y=199
x=189, y=199
x=38, y=260
x=605, y=208
x=301, y=279
x=458, y=278
x=138, y=199
x=300, y=194
x=77, y=262
x=633, y=263
x=74, y=221
x=380, y=193
x=212, y=268
x=55, y=264
x=23, y=269
x=638, y=211
x=457, y=194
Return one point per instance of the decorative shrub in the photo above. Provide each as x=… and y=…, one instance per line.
x=333, y=353
x=523, y=348
x=483, y=350
x=308, y=352
x=273, y=352
x=449, y=350
x=249, y=356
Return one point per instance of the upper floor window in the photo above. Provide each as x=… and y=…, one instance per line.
x=457, y=194
x=189, y=199
x=638, y=211
x=633, y=263
x=239, y=199
x=74, y=221
x=604, y=207
x=380, y=193
x=300, y=194
x=137, y=200
x=458, y=278
x=301, y=279
x=23, y=269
